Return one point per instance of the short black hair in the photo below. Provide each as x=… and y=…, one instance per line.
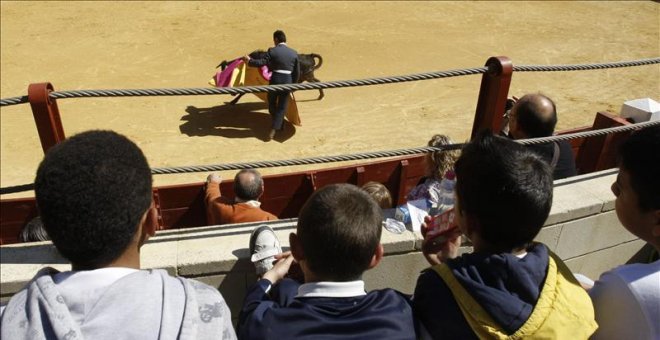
x=640, y=156
x=248, y=184
x=92, y=191
x=339, y=229
x=505, y=187
x=531, y=118
x=33, y=231
x=279, y=36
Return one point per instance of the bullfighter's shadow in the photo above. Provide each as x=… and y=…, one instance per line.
x=243, y=120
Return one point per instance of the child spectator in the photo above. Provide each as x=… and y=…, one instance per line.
x=437, y=164
x=627, y=298
x=379, y=193
x=509, y=286
x=33, y=231
x=94, y=196
x=336, y=240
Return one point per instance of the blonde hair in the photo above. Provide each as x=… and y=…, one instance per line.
x=379, y=193
x=441, y=161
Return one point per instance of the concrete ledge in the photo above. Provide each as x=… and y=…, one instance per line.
x=581, y=196
x=593, y=264
x=581, y=228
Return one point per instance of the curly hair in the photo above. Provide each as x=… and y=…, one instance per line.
x=92, y=191
x=441, y=161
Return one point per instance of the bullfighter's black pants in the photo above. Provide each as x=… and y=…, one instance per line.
x=278, y=101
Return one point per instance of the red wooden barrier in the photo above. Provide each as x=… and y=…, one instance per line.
x=46, y=115
x=492, y=95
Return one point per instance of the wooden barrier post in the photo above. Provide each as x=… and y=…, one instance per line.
x=46, y=115
x=493, y=95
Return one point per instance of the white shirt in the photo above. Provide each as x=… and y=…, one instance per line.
x=627, y=302
x=332, y=289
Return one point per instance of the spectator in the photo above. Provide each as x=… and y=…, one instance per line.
x=533, y=116
x=379, y=193
x=94, y=195
x=509, y=285
x=437, y=164
x=248, y=188
x=627, y=298
x=337, y=239
x=33, y=231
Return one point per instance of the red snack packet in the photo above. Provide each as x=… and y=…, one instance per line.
x=439, y=227
x=441, y=223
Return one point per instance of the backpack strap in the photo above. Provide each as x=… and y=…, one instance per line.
x=555, y=155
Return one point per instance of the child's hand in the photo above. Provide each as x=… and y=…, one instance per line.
x=280, y=269
x=447, y=249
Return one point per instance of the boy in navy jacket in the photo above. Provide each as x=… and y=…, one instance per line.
x=337, y=239
x=509, y=286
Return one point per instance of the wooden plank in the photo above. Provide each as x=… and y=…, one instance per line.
x=14, y=214
x=598, y=152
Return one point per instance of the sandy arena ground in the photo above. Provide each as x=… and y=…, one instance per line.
x=115, y=45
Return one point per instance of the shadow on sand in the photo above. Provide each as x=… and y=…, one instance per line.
x=243, y=120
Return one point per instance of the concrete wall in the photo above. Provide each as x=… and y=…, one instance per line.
x=582, y=229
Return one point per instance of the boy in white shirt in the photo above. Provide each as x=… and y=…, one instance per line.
x=627, y=299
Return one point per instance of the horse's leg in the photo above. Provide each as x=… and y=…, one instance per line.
x=235, y=100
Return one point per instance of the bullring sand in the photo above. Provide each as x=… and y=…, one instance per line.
x=119, y=45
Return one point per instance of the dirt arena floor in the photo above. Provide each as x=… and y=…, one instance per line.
x=121, y=45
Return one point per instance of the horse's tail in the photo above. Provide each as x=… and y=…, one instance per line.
x=317, y=56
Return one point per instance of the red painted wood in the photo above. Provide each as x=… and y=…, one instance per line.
x=46, y=115
x=493, y=95
x=14, y=214
x=599, y=152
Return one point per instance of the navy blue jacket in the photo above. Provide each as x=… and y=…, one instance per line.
x=505, y=286
x=565, y=164
x=280, y=57
x=381, y=314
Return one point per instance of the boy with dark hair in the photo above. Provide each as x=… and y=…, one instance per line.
x=94, y=196
x=509, y=286
x=337, y=239
x=245, y=207
x=627, y=298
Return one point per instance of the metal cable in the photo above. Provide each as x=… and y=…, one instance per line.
x=585, y=134
x=583, y=67
x=13, y=101
x=358, y=156
x=322, y=85
x=250, y=89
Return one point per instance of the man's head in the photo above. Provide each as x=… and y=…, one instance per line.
x=534, y=115
x=503, y=192
x=279, y=37
x=33, y=231
x=93, y=191
x=379, y=193
x=248, y=185
x=637, y=187
x=338, y=233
